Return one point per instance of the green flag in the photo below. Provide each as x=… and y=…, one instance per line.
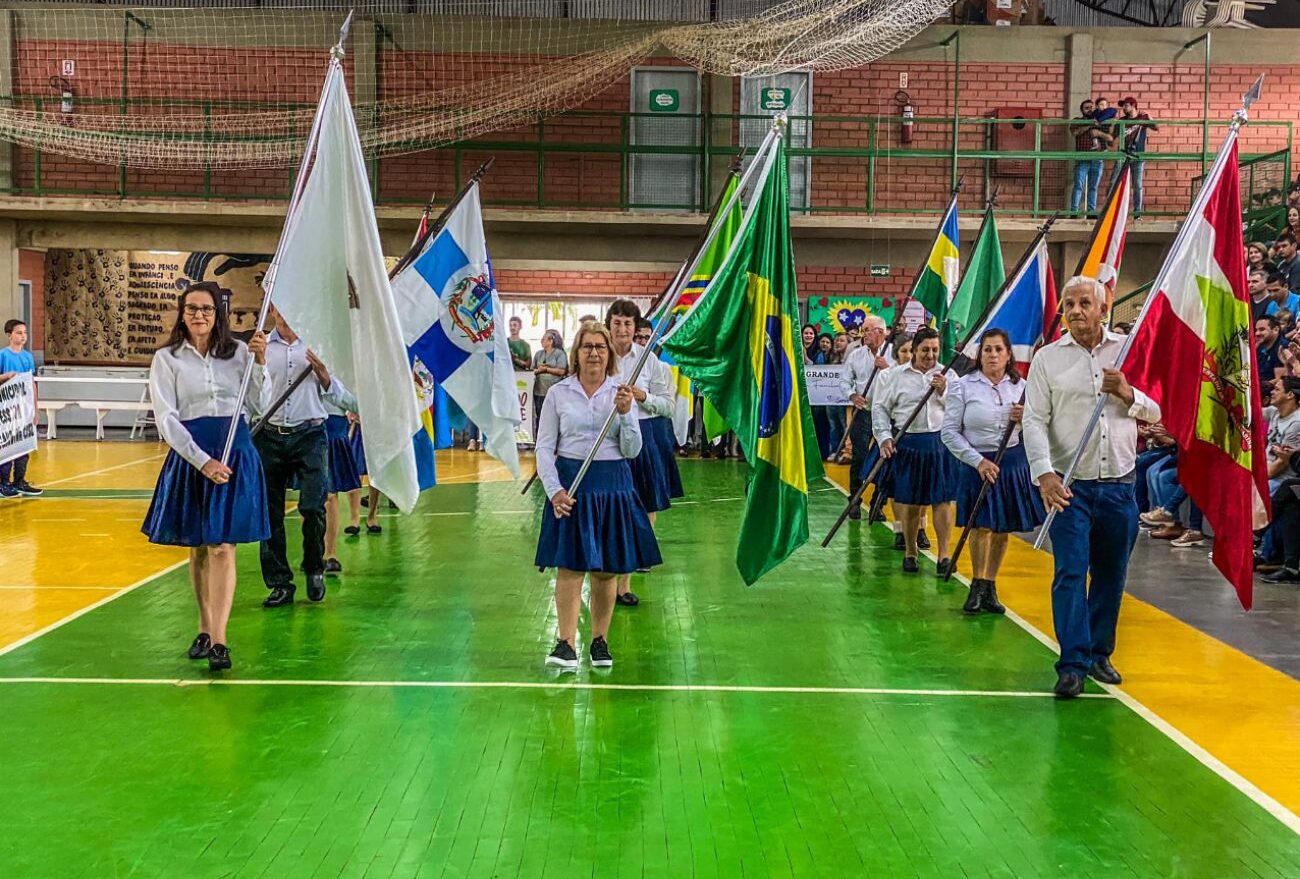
x=741, y=348
x=983, y=278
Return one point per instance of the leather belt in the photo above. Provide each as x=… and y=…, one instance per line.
x=284, y=430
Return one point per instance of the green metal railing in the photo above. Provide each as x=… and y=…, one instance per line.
x=852, y=164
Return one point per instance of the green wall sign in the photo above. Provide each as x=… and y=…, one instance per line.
x=775, y=99
x=665, y=101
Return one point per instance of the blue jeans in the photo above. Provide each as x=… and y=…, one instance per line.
x=1136, y=167
x=1091, y=539
x=1155, y=472
x=1086, y=174
x=1145, y=461
x=1173, y=496
x=1270, y=547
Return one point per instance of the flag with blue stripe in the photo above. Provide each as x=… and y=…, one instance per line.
x=1022, y=308
x=448, y=307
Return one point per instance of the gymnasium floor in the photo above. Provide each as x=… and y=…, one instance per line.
x=838, y=719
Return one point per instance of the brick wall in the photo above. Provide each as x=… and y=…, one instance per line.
x=31, y=267
x=596, y=179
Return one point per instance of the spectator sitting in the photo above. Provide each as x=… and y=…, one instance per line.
x=1256, y=255
x=1283, y=441
x=1286, y=318
x=1159, y=445
x=1279, y=294
x=1293, y=220
x=1268, y=347
x=1286, y=521
x=1257, y=285
x=1288, y=262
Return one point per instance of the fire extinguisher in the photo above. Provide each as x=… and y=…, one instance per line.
x=61, y=85
x=908, y=114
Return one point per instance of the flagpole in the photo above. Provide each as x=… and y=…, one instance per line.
x=984, y=491
x=280, y=401
x=290, y=222
x=767, y=152
x=976, y=328
x=1239, y=119
x=437, y=226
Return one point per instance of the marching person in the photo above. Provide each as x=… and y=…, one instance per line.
x=869, y=359
x=200, y=503
x=344, y=474
x=654, y=470
x=603, y=531
x=294, y=446
x=921, y=471
x=977, y=411
x=1097, y=517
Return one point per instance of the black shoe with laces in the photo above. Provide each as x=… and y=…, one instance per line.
x=280, y=595
x=600, y=657
x=922, y=541
x=899, y=543
x=26, y=489
x=218, y=657
x=563, y=656
x=201, y=647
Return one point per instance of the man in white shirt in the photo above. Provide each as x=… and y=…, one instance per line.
x=862, y=368
x=1097, y=516
x=292, y=444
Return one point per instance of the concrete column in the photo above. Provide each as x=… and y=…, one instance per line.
x=11, y=302
x=1078, y=71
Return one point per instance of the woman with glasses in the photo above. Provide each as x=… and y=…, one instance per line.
x=199, y=502
x=601, y=530
x=977, y=411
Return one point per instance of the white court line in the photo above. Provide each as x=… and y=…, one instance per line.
x=154, y=457
x=1198, y=753
x=460, y=476
x=542, y=685
x=27, y=639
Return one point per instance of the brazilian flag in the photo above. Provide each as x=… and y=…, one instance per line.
x=741, y=348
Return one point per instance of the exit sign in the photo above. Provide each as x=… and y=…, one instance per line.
x=880, y=271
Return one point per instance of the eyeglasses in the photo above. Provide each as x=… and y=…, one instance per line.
x=642, y=337
x=205, y=310
x=590, y=349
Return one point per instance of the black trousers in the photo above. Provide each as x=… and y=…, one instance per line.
x=1286, y=519
x=305, y=455
x=860, y=436
x=18, y=467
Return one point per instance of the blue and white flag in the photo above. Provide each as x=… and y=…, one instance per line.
x=448, y=307
x=1023, y=307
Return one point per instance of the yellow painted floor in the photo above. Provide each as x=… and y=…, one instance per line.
x=65, y=552
x=1240, y=711
x=80, y=545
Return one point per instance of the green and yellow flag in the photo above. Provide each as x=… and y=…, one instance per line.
x=980, y=285
x=938, y=282
x=741, y=347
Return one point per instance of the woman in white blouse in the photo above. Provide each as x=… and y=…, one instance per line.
x=978, y=409
x=199, y=502
x=603, y=530
x=921, y=472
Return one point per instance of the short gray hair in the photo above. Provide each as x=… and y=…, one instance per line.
x=1095, y=287
x=874, y=320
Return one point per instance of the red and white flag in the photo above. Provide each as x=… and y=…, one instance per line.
x=1194, y=354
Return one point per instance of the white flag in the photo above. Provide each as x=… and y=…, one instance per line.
x=331, y=285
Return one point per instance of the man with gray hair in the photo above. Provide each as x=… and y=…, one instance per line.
x=860, y=367
x=1096, y=515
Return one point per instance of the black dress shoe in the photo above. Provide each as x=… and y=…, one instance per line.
x=990, y=603
x=900, y=543
x=374, y=529
x=1283, y=575
x=943, y=567
x=910, y=566
x=219, y=658
x=1103, y=672
x=922, y=540
x=279, y=595
x=352, y=530
x=332, y=566
x=316, y=587
x=976, y=597
x=855, y=512
x=201, y=647
x=628, y=599
x=1068, y=684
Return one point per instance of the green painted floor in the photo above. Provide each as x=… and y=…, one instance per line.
x=340, y=771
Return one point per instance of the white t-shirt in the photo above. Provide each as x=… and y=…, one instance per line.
x=1282, y=431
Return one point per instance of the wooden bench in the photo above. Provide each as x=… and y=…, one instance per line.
x=51, y=407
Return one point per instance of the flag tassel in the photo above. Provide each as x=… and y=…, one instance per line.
x=1239, y=119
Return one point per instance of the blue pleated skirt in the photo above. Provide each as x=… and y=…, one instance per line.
x=654, y=470
x=607, y=531
x=345, y=476
x=188, y=509
x=1012, y=504
x=359, y=452
x=923, y=471
x=883, y=480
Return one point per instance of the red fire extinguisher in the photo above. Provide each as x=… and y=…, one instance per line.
x=908, y=114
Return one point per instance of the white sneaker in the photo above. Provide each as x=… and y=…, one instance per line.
x=1188, y=538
